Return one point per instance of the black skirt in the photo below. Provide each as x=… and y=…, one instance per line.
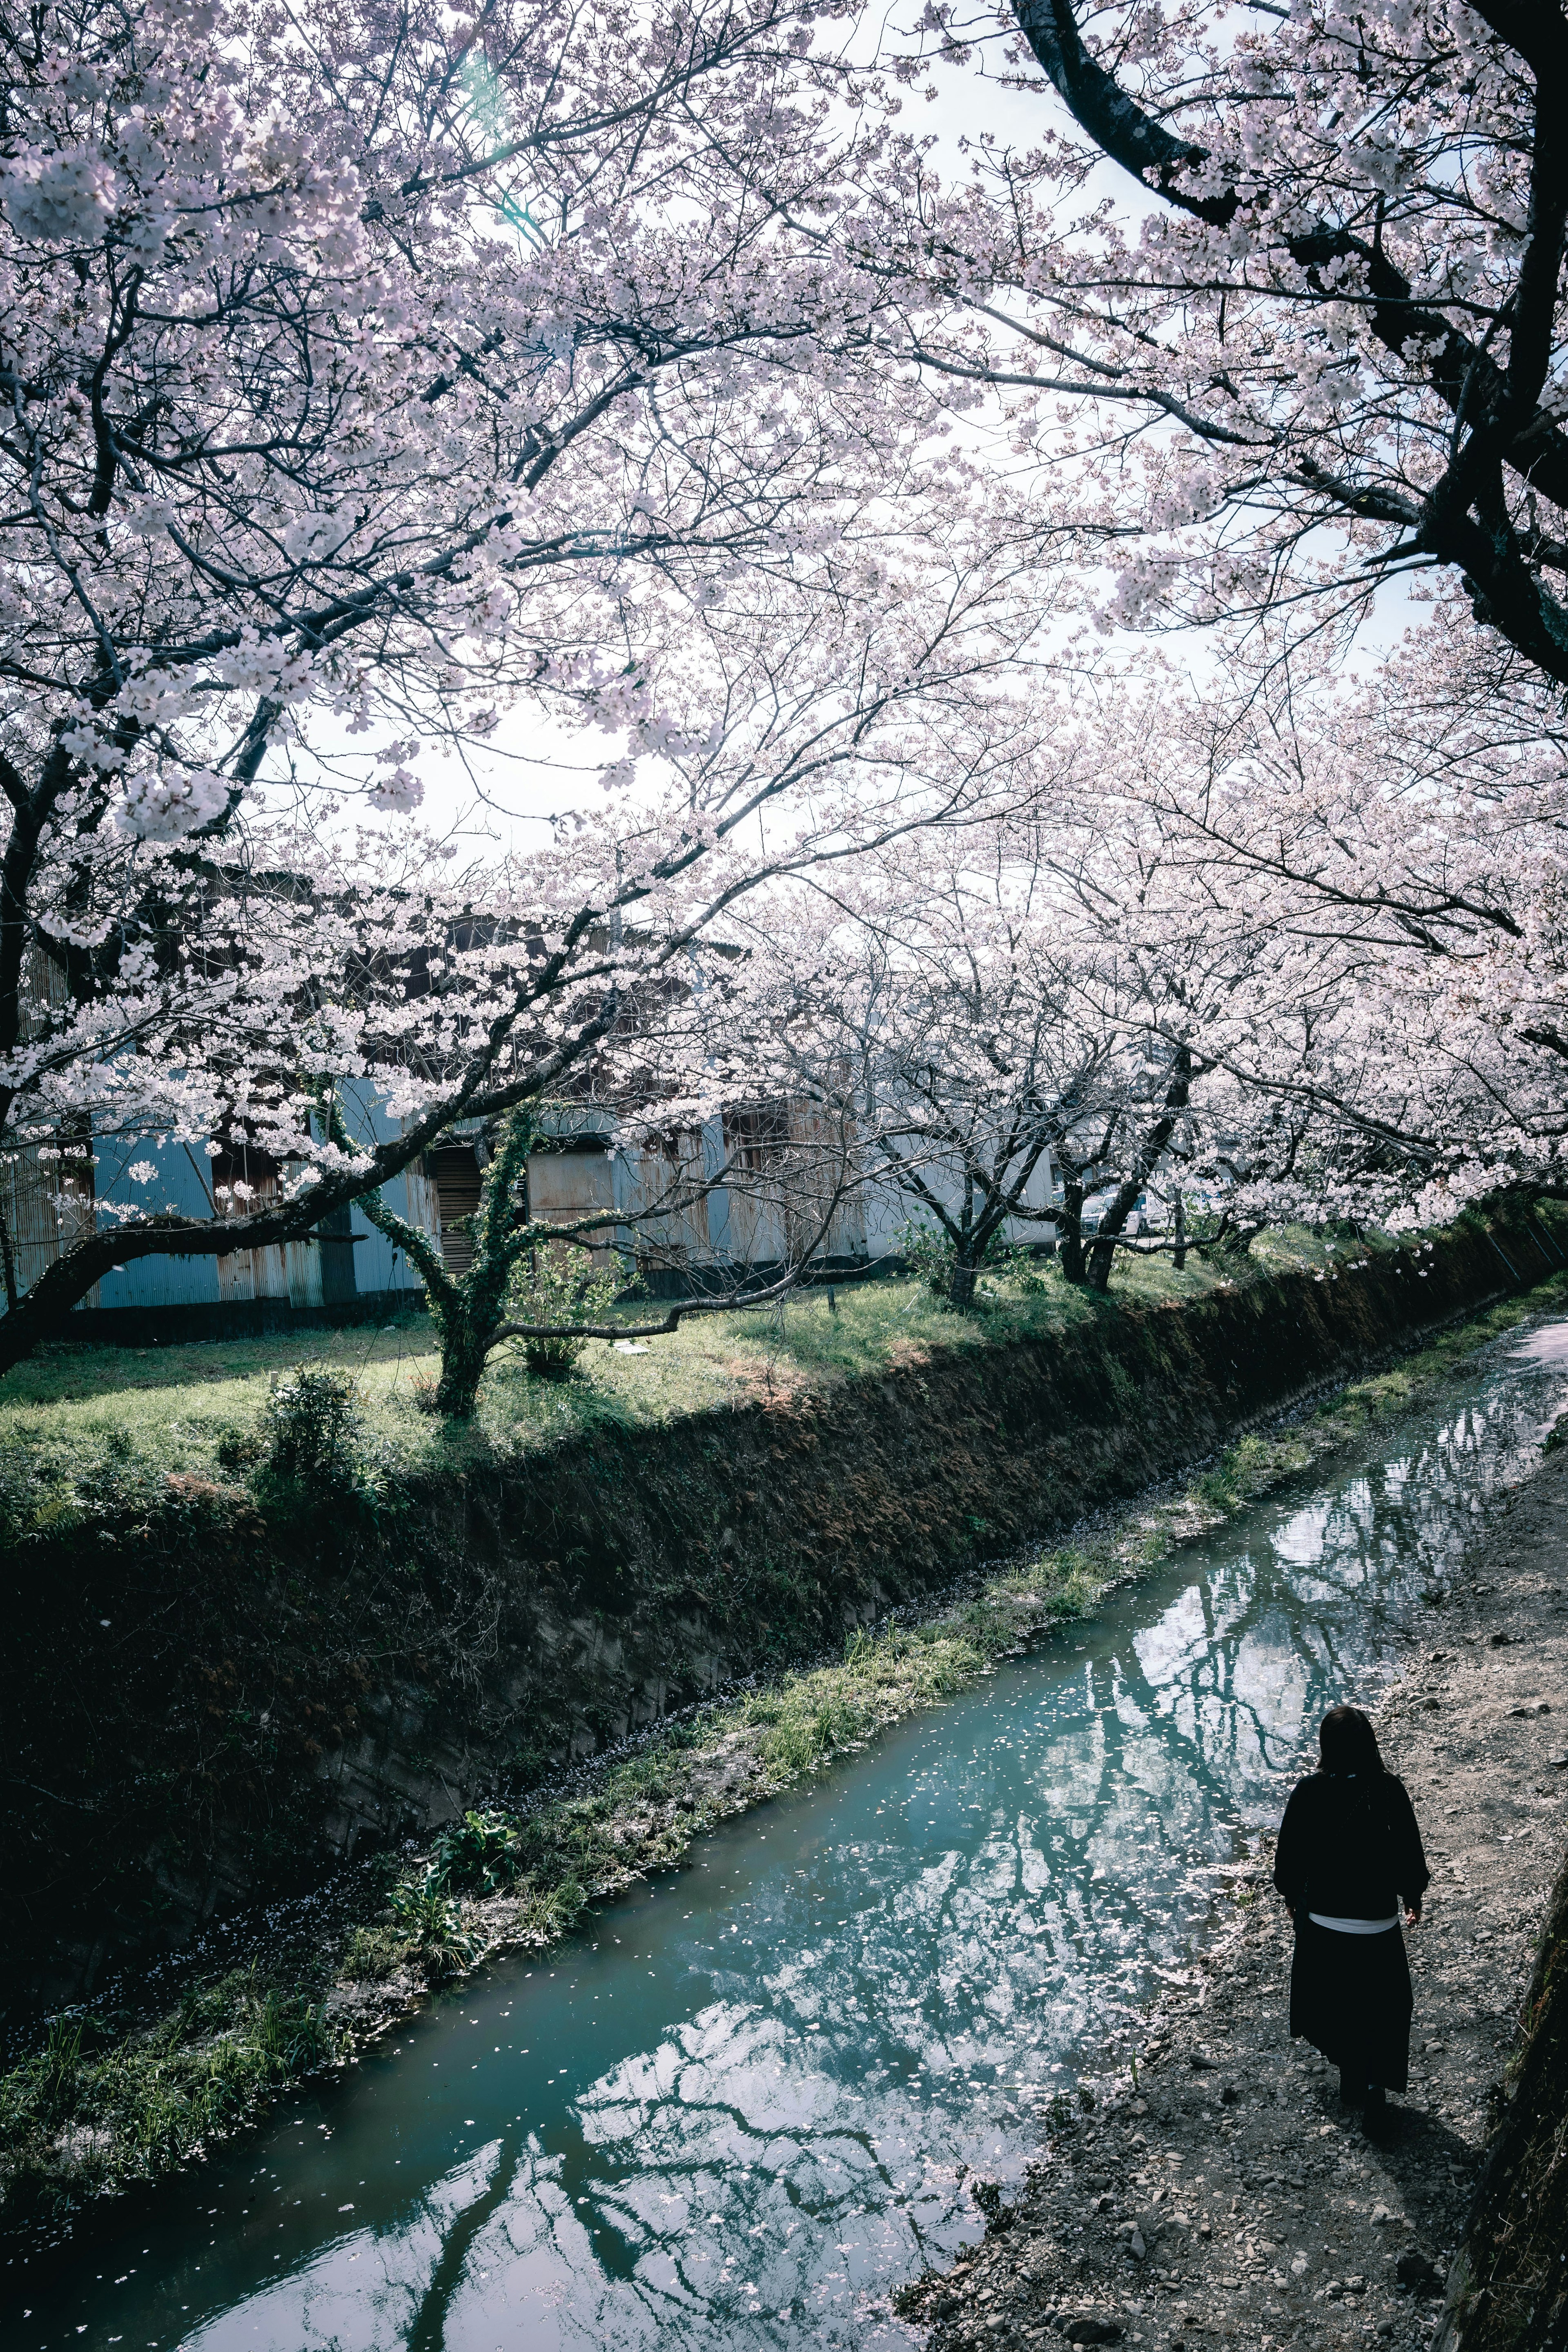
x=1349, y=1995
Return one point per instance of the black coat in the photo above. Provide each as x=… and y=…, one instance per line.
x=1349, y=1848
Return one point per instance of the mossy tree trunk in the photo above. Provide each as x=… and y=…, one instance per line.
x=1508, y=2288
x=470, y=1309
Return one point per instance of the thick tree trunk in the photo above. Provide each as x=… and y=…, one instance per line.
x=961, y=1284
x=1180, y=1258
x=464, y=1355
x=1102, y=1254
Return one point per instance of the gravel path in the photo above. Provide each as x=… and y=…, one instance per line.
x=1231, y=2197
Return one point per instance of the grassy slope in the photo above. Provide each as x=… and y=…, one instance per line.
x=171, y=1407
x=111, y=2098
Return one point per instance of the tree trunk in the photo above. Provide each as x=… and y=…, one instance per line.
x=465, y=1351
x=1180, y=1259
x=1069, y=1231
x=1111, y=1225
x=10, y=1263
x=466, y=1311
x=1102, y=1254
x=961, y=1284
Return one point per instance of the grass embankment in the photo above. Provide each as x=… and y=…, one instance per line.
x=74, y=1416
x=111, y=2099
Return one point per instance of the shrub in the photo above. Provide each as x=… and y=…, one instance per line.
x=316, y=1440
x=238, y=1450
x=561, y=1285
x=312, y=1421
x=928, y=1252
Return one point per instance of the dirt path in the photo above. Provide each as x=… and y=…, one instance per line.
x=1232, y=2199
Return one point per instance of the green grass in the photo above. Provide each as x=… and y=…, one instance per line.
x=100, y=2119
x=196, y=1408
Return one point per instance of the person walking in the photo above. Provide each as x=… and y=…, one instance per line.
x=1349, y=1857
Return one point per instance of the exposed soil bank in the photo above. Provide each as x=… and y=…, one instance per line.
x=211, y=1694
x=1230, y=2198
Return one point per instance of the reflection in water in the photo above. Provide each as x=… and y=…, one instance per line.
x=743, y=2104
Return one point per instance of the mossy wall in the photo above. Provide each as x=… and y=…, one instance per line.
x=202, y=1701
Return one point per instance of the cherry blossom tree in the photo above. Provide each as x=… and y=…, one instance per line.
x=920, y=997
x=1306, y=335
x=364, y=374
x=226, y=984
x=1406, y=832
x=1188, y=993
x=1042, y=995
x=355, y=365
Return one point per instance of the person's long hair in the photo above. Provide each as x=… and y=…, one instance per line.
x=1347, y=1742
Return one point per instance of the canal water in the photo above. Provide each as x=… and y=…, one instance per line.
x=749, y=2099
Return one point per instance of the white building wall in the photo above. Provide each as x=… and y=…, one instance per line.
x=737, y=1224
x=887, y=1208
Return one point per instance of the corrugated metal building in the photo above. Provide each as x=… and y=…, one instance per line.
x=753, y=1190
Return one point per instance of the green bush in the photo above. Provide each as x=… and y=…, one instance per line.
x=238, y=1450
x=312, y=1423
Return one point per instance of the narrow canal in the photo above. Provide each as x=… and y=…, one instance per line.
x=744, y=2103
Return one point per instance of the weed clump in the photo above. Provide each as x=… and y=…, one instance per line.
x=430, y=1920
x=478, y=1852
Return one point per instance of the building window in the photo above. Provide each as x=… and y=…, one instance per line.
x=454, y=1170
x=757, y=1137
